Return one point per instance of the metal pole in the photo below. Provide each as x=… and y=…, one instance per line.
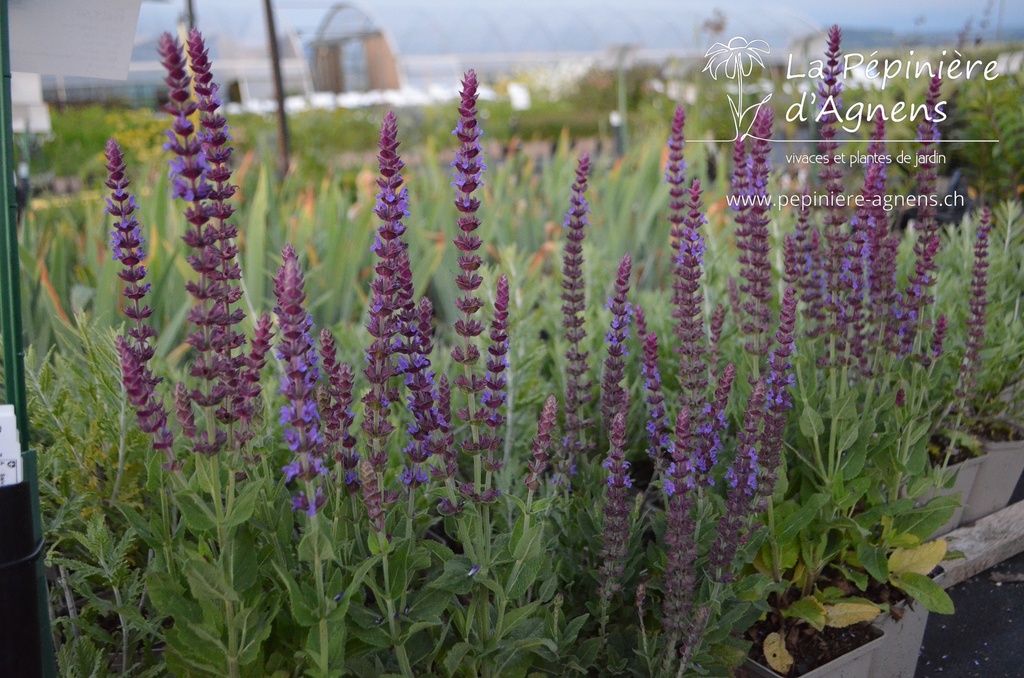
x=10, y=325
x=190, y=12
x=282, y=120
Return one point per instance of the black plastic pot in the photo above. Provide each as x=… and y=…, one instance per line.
x=20, y=651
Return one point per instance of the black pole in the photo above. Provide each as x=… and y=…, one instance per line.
x=24, y=604
x=282, y=119
x=190, y=13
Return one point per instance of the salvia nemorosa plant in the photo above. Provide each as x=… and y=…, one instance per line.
x=977, y=305
x=578, y=384
x=486, y=562
x=300, y=417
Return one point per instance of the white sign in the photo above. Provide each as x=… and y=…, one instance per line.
x=91, y=38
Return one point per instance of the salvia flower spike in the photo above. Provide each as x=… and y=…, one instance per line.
x=977, y=303
x=680, y=544
x=135, y=350
x=300, y=417
x=469, y=170
x=578, y=385
x=613, y=395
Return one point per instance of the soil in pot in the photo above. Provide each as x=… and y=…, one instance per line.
x=810, y=648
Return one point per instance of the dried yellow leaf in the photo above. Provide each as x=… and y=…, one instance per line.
x=776, y=653
x=920, y=559
x=846, y=614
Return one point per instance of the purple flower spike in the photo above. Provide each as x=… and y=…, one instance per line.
x=939, y=338
x=542, y=445
x=688, y=301
x=422, y=396
x=830, y=103
x=578, y=386
x=468, y=172
x=680, y=544
x=613, y=396
x=373, y=498
x=752, y=241
x=977, y=303
x=742, y=479
x=336, y=406
x=711, y=430
x=497, y=362
x=777, y=392
x=658, y=438
x=715, y=336
x=300, y=417
x=134, y=349
x=442, y=444
x=383, y=325
x=616, y=511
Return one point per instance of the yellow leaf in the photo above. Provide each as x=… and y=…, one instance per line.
x=776, y=653
x=845, y=614
x=920, y=559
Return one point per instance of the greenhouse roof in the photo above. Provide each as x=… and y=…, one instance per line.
x=503, y=28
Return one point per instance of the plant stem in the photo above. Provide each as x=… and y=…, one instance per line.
x=403, y=658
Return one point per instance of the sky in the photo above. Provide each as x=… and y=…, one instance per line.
x=901, y=16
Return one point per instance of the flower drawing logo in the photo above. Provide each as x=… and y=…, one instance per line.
x=736, y=61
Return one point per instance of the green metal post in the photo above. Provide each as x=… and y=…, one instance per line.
x=10, y=318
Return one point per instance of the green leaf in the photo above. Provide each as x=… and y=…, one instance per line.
x=811, y=424
x=440, y=551
x=529, y=544
x=170, y=599
x=810, y=610
x=873, y=559
x=453, y=661
x=525, y=578
x=572, y=629
x=244, y=505
x=922, y=522
x=924, y=590
x=802, y=517
x=314, y=546
x=848, y=438
x=455, y=577
x=515, y=617
x=303, y=605
x=195, y=511
x=207, y=582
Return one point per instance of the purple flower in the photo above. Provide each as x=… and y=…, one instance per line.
x=422, y=395
x=977, y=303
x=680, y=541
x=134, y=349
x=383, y=324
x=336, y=406
x=468, y=172
x=687, y=299
x=541, y=445
x=493, y=398
x=299, y=416
x=658, y=439
x=752, y=241
x=777, y=393
x=578, y=386
x=918, y=296
x=742, y=481
x=373, y=497
x=613, y=396
x=616, y=511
